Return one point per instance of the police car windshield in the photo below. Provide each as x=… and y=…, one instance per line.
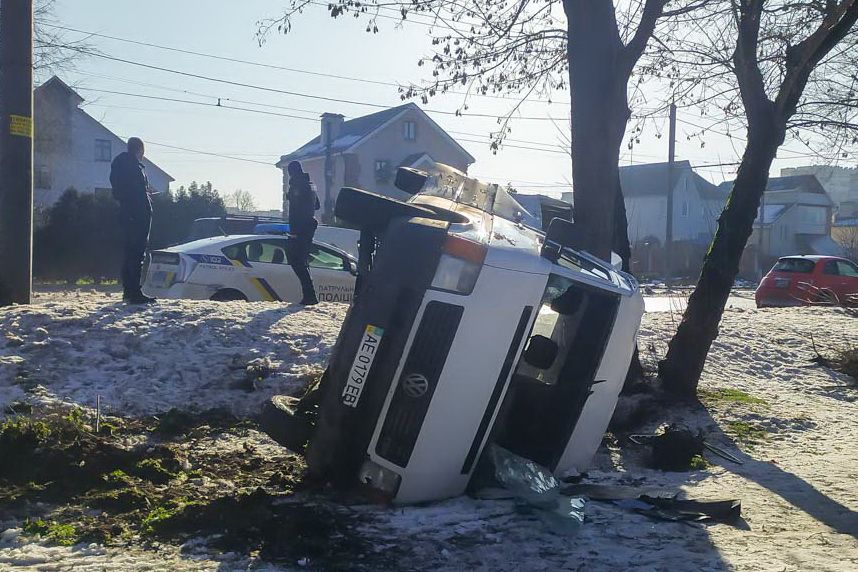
x=456, y=186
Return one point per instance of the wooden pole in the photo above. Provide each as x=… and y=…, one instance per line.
x=16, y=152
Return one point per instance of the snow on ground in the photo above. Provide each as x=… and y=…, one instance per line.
x=797, y=483
x=148, y=359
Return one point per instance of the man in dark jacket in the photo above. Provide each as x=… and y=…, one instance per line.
x=131, y=190
x=303, y=203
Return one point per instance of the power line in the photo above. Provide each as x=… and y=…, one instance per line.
x=199, y=152
x=276, y=90
x=189, y=92
x=191, y=102
x=272, y=66
x=221, y=105
x=556, y=148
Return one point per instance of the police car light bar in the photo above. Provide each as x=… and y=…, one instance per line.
x=271, y=228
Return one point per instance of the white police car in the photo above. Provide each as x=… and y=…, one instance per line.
x=246, y=267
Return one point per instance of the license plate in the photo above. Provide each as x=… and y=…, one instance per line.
x=362, y=364
x=781, y=282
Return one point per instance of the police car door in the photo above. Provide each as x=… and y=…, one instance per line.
x=269, y=274
x=332, y=275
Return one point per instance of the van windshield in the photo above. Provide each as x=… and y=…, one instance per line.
x=454, y=185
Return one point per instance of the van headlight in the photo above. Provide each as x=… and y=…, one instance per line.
x=459, y=266
x=379, y=478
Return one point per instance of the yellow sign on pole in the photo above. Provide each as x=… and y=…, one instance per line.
x=21, y=125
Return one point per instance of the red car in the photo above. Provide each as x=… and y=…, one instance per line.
x=802, y=280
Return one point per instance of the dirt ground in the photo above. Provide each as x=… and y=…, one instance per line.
x=171, y=484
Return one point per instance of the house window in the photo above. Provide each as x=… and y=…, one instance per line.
x=382, y=171
x=102, y=150
x=409, y=130
x=685, y=207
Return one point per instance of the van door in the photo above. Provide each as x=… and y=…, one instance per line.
x=556, y=371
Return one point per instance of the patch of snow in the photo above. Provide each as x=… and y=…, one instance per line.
x=177, y=353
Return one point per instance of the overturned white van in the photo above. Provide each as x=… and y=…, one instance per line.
x=467, y=327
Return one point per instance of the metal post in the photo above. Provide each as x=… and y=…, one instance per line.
x=16, y=152
x=668, y=234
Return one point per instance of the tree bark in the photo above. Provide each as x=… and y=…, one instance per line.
x=598, y=82
x=622, y=245
x=680, y=370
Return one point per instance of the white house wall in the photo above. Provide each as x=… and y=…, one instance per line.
x=647, y=215
x=74, y=165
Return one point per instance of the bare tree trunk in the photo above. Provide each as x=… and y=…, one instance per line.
x=600, y=112
x=622, y=246
x=686, y=355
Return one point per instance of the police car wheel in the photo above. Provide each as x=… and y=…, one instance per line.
x=228, y=295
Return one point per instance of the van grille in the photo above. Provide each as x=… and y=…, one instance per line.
x=417, y=382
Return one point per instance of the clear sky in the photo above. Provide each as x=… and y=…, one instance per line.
x=317, y=44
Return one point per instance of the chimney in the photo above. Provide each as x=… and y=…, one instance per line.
x=331, y=123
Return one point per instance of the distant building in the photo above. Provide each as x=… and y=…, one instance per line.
x=697, y=203
x=794, y=218
x=365, y=152
x=841, y=183
x=844, y=231
x=72, y=149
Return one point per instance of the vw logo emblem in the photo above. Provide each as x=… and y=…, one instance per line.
x=415, y=385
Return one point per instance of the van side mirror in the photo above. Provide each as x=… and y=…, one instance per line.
x=352, y=267
x=540, y=352
x=561, y=234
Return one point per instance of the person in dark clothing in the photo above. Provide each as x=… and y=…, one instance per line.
x=303, y=203
x=131, y=190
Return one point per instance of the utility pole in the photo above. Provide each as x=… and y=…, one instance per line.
x=668, y=231
x=16, y=152
x=329, y=176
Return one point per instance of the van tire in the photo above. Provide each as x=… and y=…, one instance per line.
x=228, y=295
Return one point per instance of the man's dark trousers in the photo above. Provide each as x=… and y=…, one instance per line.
x=299, y=261
x=135, y=228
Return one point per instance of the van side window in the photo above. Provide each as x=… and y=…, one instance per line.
x=830, y=267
